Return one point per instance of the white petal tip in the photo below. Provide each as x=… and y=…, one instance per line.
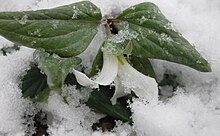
x=83, y=80
x=113, y=101
x=109, y=70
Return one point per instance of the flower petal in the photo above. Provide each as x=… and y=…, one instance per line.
x=83, y=80
x=105, y=77
x=119, y=91
x=143, y=86
x=109, y=69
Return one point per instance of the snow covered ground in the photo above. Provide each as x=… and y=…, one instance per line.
x=193, y=111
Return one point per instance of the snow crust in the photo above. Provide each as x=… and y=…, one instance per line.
x=194, y=110
x=11, y=104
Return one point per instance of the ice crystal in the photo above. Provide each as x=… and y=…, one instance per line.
x=75, y=12
x=35, y=33
x=142, y=19
x=23, y=20
x=165, y=37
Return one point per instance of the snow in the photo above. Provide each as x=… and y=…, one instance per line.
x=11, y=104
x=75, y=12
x=69, y=120
x=193, y=110
x=142, y=19
x=37, y=31
x=113, y=44
x=23, y=20
x=182, y=115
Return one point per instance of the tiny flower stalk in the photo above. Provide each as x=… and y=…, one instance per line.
x=118, y=71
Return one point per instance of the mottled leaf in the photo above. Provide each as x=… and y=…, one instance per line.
x=66, y=30
x=154, y=37
x=34, y=84
x=55, y=68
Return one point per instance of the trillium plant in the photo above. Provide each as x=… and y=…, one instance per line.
x=122, y=63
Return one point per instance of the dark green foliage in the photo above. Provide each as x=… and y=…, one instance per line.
x=34, y=84
x=143, y=65
x=66, y=31
x=157, y=39
x=100, y=101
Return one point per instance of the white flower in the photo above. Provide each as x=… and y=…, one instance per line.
x=117, y=70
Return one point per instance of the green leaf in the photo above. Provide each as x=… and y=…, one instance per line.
x=154, y=37
x=66, y=30
x=42, y=96
x=99, y=100
x=116, y=44
x=34, y=85
x=143, y=65
x=55, y=68
x=128, y=49
x=97, y=64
